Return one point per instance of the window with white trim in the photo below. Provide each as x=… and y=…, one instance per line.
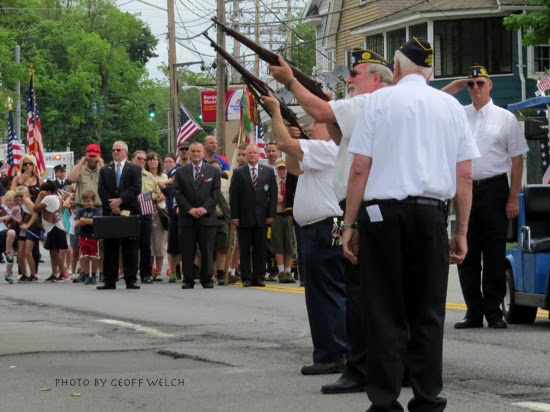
x=375, y=43
x=331, y=59
x=541, y=58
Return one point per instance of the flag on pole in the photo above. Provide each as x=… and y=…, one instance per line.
x=146, y=203
x=260, y=138
x=187, y=128
x=35, y=144
x=545, y=160
x=14, y=152
x=544, y=83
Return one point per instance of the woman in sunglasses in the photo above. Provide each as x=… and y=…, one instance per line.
x=28, y=177
x=29, y=235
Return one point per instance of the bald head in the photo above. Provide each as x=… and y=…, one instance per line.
x=252, y=154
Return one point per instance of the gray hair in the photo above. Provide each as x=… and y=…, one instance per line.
x=124, y=145
x=407, y=64
x=386, y=74
x=195, y=143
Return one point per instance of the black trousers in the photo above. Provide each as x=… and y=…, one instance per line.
x=254, y=238
x=357, y=344
x=111, y=249
x=484, y=286
x=404, y=264
x=299, y=252
x=146, y=230
x=325, y=292
x=205, y=236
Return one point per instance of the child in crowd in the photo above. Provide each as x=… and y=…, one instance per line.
x=29, y=234
x=88, y=244
x=10, y=217
x=49, y=203
x=70, y=208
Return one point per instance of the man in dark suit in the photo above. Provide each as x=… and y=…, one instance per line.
x=119, y=186
x=197, y=189
x=253, y=202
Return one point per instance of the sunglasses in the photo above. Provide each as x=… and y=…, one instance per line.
x=117, y=150
x=353, y=73
x=19, y=196
x=480, y=84
x=141, y=159
x=27, y=164
x=183, y=148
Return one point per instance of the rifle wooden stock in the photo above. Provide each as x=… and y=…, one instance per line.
x=269, y=57
x=258, y=86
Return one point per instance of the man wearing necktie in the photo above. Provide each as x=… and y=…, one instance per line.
x=118, y=187
x=253, y=203
x=197, y=190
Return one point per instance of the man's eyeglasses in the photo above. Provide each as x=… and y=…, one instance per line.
x=353, y=73
x=117, y=150
x=27, y=164
x=141, y=159
x=480, y=84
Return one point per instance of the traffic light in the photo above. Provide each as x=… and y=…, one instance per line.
x=152, y=112
x=200, y=117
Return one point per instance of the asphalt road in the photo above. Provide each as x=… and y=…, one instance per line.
x=67, y=347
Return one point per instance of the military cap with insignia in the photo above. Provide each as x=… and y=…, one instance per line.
x=359, y=56
x=478, y=71
x=419, y=51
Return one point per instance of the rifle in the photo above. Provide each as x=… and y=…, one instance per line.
x=258, y=86
x=273, y=59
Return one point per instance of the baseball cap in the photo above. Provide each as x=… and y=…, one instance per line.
x=93, y=150
x=359, y=56
x=478, y=71
x=183, y=145
x=280, y=163
x=419, y=51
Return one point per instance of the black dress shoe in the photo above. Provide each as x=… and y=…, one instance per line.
x=259, y=283
x=106, y=286
x=209, y=285
x=467, y=323
x=187, y=285
x=344, y=384
x=132, y=286
x=247, y=283
x=146, y=279
x=497, y=324
x=324, y=368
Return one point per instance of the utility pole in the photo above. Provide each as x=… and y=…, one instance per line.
x=288, y=33
x=257, y=37
x=173, y=130
x=220, y=82
x=236, y=44
x=18, y=99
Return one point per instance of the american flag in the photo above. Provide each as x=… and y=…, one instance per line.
x=14, y=149
x=260, y=138
x=187, y=128
x=146, y=203
x=34, y=130
x=544, y=83
x=545, y=161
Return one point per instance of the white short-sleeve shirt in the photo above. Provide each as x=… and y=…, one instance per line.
x=53, y=204
x=415, y=135
x=498, y=137
x=315, y=199
x=347, y=112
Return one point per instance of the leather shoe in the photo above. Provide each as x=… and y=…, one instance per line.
x=344, y=384
x=468, y=323
x=497, y=324
x=106, y=286
x=187, y=285
x=132, y=286
x=324, y=368
x=259, y=283
x=247, y=283
x=209, y=285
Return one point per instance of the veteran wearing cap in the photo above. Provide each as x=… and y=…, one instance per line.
x=86, y=173
x=502, y=146
x=412, y=148
x=369, y=73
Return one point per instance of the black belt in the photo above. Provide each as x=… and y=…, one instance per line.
x=327, y=221
x=281, y=214
x=489, y=179
x=413, y=200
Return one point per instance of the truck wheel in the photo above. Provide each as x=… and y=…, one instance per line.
x=515, y=313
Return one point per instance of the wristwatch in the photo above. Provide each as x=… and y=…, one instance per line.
x=287, y=86
x=343, y=226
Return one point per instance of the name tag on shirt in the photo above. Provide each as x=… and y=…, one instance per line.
x=375, y=215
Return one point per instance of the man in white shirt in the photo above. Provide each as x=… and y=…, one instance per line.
x=369, y=73
x=272, y=153
x=412, y=149
x=317, y=211
x=501, y=143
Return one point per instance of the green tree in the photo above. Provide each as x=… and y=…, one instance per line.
x=302, y=52
x=535, y=24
